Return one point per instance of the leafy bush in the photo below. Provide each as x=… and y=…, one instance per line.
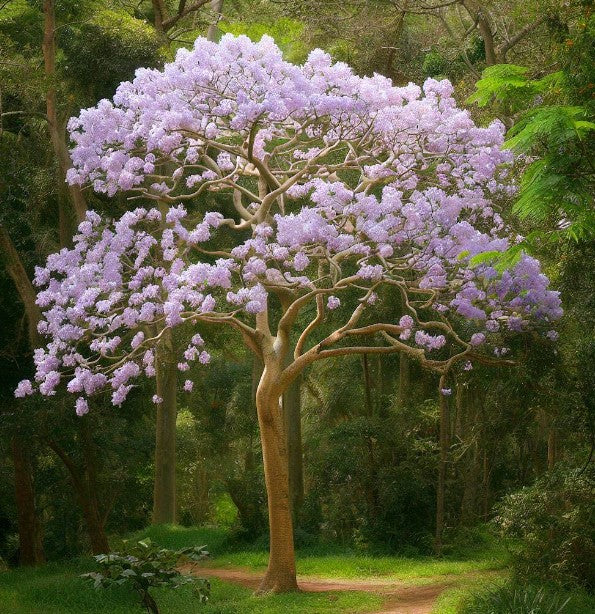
x=511, y=599
x=144, y=566
x=434, y=64
x=555, y=521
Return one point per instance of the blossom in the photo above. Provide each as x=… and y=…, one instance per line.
x=82, y=407
x=157, y=400
x=431, y=342
x=477, y=339
x=333, y=302
x=23, y=389
x=408, y=224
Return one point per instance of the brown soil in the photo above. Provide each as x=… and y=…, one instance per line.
x=400, y=598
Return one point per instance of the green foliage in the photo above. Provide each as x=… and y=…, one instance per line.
x=554, y=523
x=510, y=86
x=286, y=32
x=552, y=129
x=106, y=49
x=372, y=485
x=145, y=565
x=434, y=64
x=525, y=599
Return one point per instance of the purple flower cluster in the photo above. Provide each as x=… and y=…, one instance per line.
x=360, y=184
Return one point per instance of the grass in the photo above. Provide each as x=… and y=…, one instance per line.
x=57, y=589
x=328, y=560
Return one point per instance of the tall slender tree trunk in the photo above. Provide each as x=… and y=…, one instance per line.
x=213, y=31
x=30, y=543
x=93, y=521
x=442, y=464
x=479, y=16
x=280, y=574
x=164, y=490
x=57, y=127
x=89, y=495
x=468, y=401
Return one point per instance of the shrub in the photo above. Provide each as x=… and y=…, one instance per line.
x=511, y=599
x=554, y=521
x=145, y=565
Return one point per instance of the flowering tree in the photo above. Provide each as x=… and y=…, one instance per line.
x=344, y=192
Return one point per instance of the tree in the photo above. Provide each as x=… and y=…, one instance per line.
x=343, y=192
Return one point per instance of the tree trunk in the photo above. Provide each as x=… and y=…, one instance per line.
x=213, y=31
x=93, y=521
x=56, y=127
x=16, y=270
x=293, y=425
x=30, y=544
x=280, y=575
x=441, y=486
x=164, y=490
x=159, y=14
x=488, y=40
x=89, y=494
x=478, y=14
x=471, y=467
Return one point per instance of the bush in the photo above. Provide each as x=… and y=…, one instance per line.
x=145, y=565
x=554, y=522
x=511, y=599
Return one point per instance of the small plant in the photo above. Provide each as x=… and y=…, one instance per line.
x=511, y=599
x=144, y=565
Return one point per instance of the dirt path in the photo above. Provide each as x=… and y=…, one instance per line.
x=400, y=597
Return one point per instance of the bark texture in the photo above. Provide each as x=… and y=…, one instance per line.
x=164, y=489
x=57, y=127
x=280, y=575
x=292, y=413
x=442, y=465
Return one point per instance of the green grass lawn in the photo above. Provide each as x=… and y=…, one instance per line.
x=57, y=589
x=328, y=560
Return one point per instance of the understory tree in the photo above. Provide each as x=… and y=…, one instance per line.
x=342, y=194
